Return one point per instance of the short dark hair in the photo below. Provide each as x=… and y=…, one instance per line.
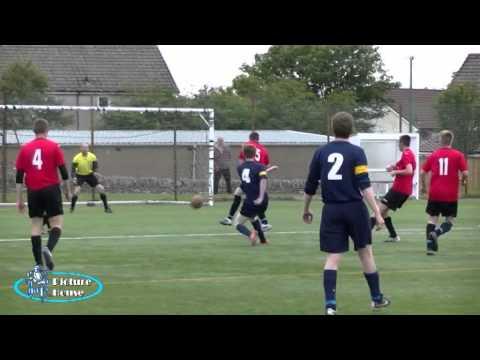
x=405, y=140
x=40, y=126
x=446, y=137
x=249, y=152
x=254, y=136
x=342, y=124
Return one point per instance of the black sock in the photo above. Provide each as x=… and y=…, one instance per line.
x=37, y=249
x=237, y=200
x=389, y=225
x=74, y=201
x=444, y=228
x=104, y=200
x=53, y=238
x=330, y=286
x=373, y=222
x=373, y=281
x=257, y=226
x=430, y=228
x=243, y=230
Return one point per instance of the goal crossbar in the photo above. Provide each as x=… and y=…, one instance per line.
x=210, y=122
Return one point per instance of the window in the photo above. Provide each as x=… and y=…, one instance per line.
x=103, y=101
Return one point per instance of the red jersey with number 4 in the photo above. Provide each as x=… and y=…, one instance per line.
x=445, y=165
x=40, y=159
x=404, y=183
x=261, y=155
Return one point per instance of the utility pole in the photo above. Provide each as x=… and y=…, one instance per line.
x=410, y=100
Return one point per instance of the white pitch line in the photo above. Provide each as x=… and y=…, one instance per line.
x=107, y=237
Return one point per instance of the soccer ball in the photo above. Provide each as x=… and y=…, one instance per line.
x=197, y=202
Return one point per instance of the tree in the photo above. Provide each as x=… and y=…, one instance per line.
x=356, y=70
x=458, y=109
x=23, y=83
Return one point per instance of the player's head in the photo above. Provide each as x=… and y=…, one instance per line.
x=254, y=136
x=40, y=127
x=220, y=141
x=84, y=148
x=404, y=142
x=249, y=152
x=446, y=138
x=342, y=124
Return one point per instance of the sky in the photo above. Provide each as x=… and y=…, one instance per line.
x=194, y=66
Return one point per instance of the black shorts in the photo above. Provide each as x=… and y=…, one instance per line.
x=437, y=208
x=89, y=179
x=341, y=221
x=394, y=200
x=45, y=202
x=251, y=210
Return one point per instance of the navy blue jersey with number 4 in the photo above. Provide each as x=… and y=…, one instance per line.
x=251, y=173
x=341, y=169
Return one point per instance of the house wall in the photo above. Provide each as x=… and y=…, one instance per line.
x=82, y=119
x=390, y=123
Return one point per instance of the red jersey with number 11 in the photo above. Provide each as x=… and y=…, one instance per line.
x=445, y=164
x=40, y=159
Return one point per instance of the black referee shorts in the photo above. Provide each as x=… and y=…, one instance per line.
x=45, y=201
x=91, y=180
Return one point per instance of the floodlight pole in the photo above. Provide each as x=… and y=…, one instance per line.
x=410, y=100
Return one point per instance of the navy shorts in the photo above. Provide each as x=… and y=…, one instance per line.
x=341, y=221
x=251, y=210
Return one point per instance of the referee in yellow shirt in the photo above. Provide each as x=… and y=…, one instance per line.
x=84, y=167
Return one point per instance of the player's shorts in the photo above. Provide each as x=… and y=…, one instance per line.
x=46, y=201
x=437, y=208
x=394, y=200
x=251, y=211
x=89, y=179
x=341, y=221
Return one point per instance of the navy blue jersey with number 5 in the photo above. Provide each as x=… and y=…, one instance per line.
x=251, y=172
x=341, y=169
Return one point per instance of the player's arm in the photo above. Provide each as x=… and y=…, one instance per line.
x=263, y=186
x=311, y=186
x=272, y=168
x=20, y=177
x=407, y=171
x=60, y=162
x=426, y=168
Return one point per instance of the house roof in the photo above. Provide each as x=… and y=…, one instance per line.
x=152, y=137
x=423, y=100
x=469, y=71
x=94, y=68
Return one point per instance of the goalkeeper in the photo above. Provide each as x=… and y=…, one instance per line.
x=84, y=167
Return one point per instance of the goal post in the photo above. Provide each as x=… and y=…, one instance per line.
x=206, y=115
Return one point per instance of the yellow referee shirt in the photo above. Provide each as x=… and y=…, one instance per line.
x=84, y=163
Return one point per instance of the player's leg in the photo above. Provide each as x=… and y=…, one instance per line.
x=360, y=232
x=257, y=225
x=36, y=210
x=334, y=242
x=55, y=217
x=76, y=191
x=216, y=180
x=263, y=218
x=103, y=196
x=228, y=180
x=449, y=210
x=389, y=202
x=237, y=200
x=433, y=210
x=239, y=223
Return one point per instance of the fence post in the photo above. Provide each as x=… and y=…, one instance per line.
x=4, y=157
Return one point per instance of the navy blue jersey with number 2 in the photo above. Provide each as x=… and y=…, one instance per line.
x=341, y=169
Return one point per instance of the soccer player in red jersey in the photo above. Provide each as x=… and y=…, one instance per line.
x=444, y=165
x=38, y=162
x=262, y=157
x=402, y=188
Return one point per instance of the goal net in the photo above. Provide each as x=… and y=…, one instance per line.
x=382, y=149
x=166, y=162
